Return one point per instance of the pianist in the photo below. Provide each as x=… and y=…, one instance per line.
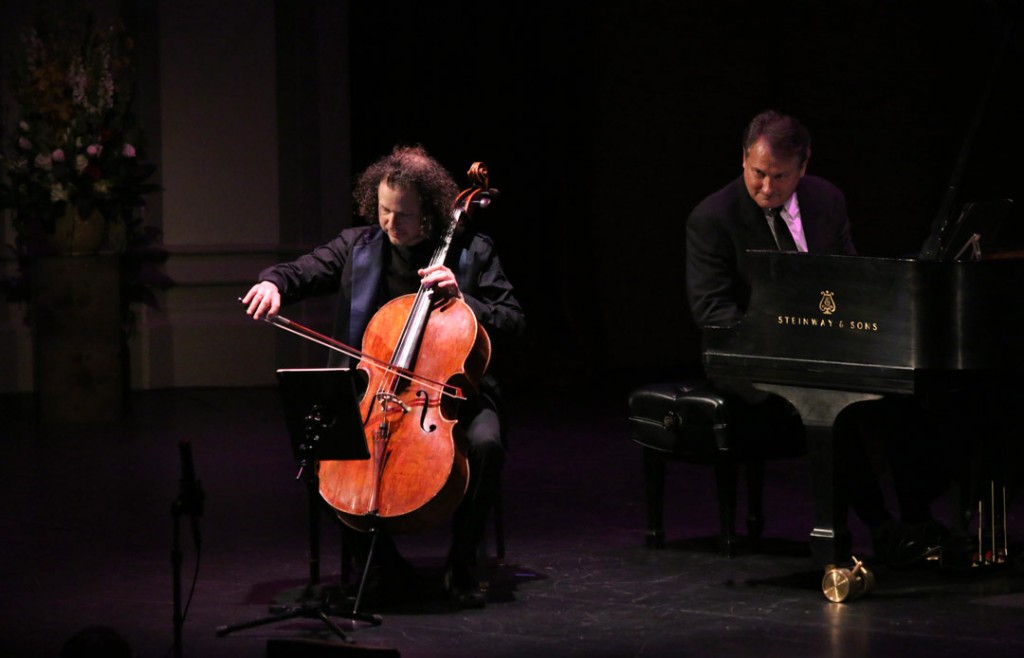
x=774, y=204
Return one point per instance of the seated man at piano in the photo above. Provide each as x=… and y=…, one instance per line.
x=775, y=205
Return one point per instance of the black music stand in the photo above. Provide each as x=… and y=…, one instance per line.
x=323, y=422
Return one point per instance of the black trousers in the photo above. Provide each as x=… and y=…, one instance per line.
x=898, y=435
x=486, y=454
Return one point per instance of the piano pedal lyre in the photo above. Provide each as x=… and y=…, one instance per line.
x=992, y=538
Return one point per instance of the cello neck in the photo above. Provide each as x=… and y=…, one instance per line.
x=479, y=195
x=405, y=350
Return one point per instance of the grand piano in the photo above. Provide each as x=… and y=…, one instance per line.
x=825, y=332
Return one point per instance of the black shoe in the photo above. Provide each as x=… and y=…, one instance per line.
x=901, y=544
x=463, y=589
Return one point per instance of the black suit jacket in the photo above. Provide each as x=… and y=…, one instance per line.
x=726, y=224
x=351, y=265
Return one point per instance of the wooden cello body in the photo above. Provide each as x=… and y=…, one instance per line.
x=418, y=353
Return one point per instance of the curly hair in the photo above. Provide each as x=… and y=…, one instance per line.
x=409, y=167
x=785, y=135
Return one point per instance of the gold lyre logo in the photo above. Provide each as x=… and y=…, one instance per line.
x=827, y=305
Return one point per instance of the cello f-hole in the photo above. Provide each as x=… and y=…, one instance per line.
x=423, y=413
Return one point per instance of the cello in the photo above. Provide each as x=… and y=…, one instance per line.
x=418, y=353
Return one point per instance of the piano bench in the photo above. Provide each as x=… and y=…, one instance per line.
x=691, y=421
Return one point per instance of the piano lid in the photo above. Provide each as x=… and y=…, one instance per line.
x=985, y=171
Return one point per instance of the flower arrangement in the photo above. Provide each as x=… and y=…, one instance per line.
x=74, y=155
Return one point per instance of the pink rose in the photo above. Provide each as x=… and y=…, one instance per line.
x=58, y=155
x=94, y=150
x=128, y=151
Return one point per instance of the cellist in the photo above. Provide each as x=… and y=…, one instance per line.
x=407, y=198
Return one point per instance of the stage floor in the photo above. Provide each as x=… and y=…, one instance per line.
x=88, y=539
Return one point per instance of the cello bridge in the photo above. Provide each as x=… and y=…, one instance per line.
x=386, y=401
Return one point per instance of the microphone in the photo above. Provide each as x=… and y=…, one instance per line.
x=190, y=497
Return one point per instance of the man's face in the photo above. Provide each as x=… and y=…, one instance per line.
x=400, y=214
x=769, y=180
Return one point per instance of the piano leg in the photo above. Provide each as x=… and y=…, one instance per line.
x=830, y=536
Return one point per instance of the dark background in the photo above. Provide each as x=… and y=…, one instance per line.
x=603, y=124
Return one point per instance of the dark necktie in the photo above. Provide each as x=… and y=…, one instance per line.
x=783, y=238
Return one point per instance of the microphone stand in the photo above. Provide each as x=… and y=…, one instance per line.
x=189, y=502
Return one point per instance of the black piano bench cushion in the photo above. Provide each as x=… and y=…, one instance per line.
x=693, y=421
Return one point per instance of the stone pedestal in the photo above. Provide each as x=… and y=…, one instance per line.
x=80, y=352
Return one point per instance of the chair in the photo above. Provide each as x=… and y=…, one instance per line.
x=692, y=421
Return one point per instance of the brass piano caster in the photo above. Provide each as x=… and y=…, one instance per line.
x=841, y=584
